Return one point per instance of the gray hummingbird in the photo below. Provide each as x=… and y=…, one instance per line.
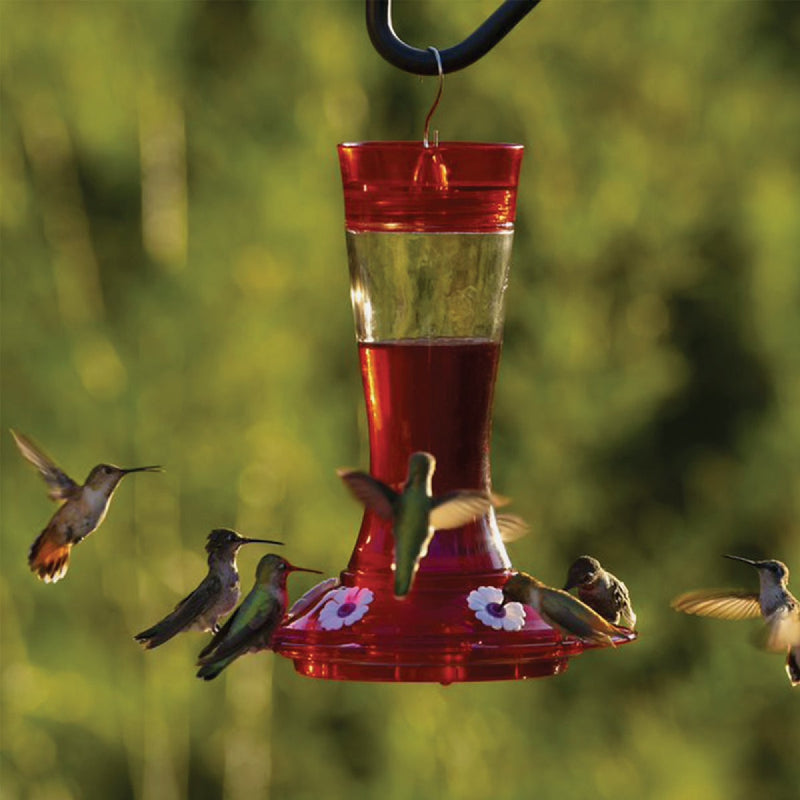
x=215, y=597
x=774, y=602
x=560, y=610
x=601, y=591
x=250, y=628
x=82, y=511
x=414, y=512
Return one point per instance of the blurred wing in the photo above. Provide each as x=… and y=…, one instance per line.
x=783, y=631
x=719, y=603
x=60, y=485
x=458, y=508
x=369, y=491
x=512, y=527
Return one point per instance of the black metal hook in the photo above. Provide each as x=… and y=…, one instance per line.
x=422, y=62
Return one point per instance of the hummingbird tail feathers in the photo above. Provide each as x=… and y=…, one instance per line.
x=793, y=665
x=49, y=558
x=210, y=671
x=155, y=636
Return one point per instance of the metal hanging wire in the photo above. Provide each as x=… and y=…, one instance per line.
x=419, y=62
x=436, y=100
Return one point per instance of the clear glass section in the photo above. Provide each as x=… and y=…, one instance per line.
x=428, y=285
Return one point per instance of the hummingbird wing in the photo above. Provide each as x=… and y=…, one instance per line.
x=512, y=527
x=575, y=617
x=454, y=509
x=719, y=603
x=369, y=491
x=60, y=485
x=251, y=624
x=186, y=612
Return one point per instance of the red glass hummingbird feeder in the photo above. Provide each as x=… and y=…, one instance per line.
x=429, y=232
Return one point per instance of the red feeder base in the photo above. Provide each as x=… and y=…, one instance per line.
x=430, y=636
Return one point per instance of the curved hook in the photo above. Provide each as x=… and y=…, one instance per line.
x=435, y=101
x=419, y=62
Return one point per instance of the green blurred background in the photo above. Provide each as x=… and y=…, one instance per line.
x=174, y=290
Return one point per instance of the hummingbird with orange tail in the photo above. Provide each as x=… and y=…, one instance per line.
x=215, y=597
x=560, y=610
x=250, y=628
x=415, y=513
x=774, y=602
x=82, y=510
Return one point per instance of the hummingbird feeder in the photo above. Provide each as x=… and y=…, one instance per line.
x=429, y=228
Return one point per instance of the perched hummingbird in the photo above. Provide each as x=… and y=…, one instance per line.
x=774, y=602
x=414, y=512
x=215, y=597
x=601, y=591
x=81, y=513
x=250, y=627
x=559, y=609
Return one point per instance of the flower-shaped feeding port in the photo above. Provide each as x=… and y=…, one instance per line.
x=345, y=607
x=487, y=603
x=429, y=232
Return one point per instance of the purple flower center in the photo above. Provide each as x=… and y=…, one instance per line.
x=496, y=609
x=346, y=609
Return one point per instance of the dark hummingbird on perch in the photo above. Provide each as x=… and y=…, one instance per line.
x=560, y=610
x=250, y=628
x=82, y=511
x=414, y=512
x=601, y=591
x=215, y=597
x=774, y=602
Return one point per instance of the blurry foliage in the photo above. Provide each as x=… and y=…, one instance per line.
x=174, y=290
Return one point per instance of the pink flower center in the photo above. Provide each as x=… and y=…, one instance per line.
x=346, y=609
x=496, y=609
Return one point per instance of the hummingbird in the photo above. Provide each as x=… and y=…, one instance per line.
x=560, y=610
x=774, y=602
x=414, y=512
x=250, y=627
x=601, y=591
x=82, y=510
x=215, y=597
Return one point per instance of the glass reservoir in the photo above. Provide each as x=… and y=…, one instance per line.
x=429, y=234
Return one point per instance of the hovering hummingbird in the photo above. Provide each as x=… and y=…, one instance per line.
x=560, y=610
x=215, y=597
x=774, y=602
x=81, y=513
x=601, y=591
x=250, y=627
x=414, y=512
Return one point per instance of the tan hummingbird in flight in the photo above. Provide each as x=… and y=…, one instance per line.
x=414, y=512
x=250, y=628
x=774, y=602
x=215, y=597
x=82, y=509
x=601, y=591
x=560, y=610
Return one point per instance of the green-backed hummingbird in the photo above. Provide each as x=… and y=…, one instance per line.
x=774, y=602
x=601, y=591
x=215, y=597
x=82, y=509
x=250, y=627
x=414, y=512
x=560, y=610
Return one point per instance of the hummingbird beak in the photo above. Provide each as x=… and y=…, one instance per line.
x=743, y=560
x=141, y=469
x=244, y=540
x=293, y=568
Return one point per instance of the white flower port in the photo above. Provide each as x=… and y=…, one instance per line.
x=346, y=606
x=487, y=603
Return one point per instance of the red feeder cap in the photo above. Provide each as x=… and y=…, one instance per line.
x=455, y=187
